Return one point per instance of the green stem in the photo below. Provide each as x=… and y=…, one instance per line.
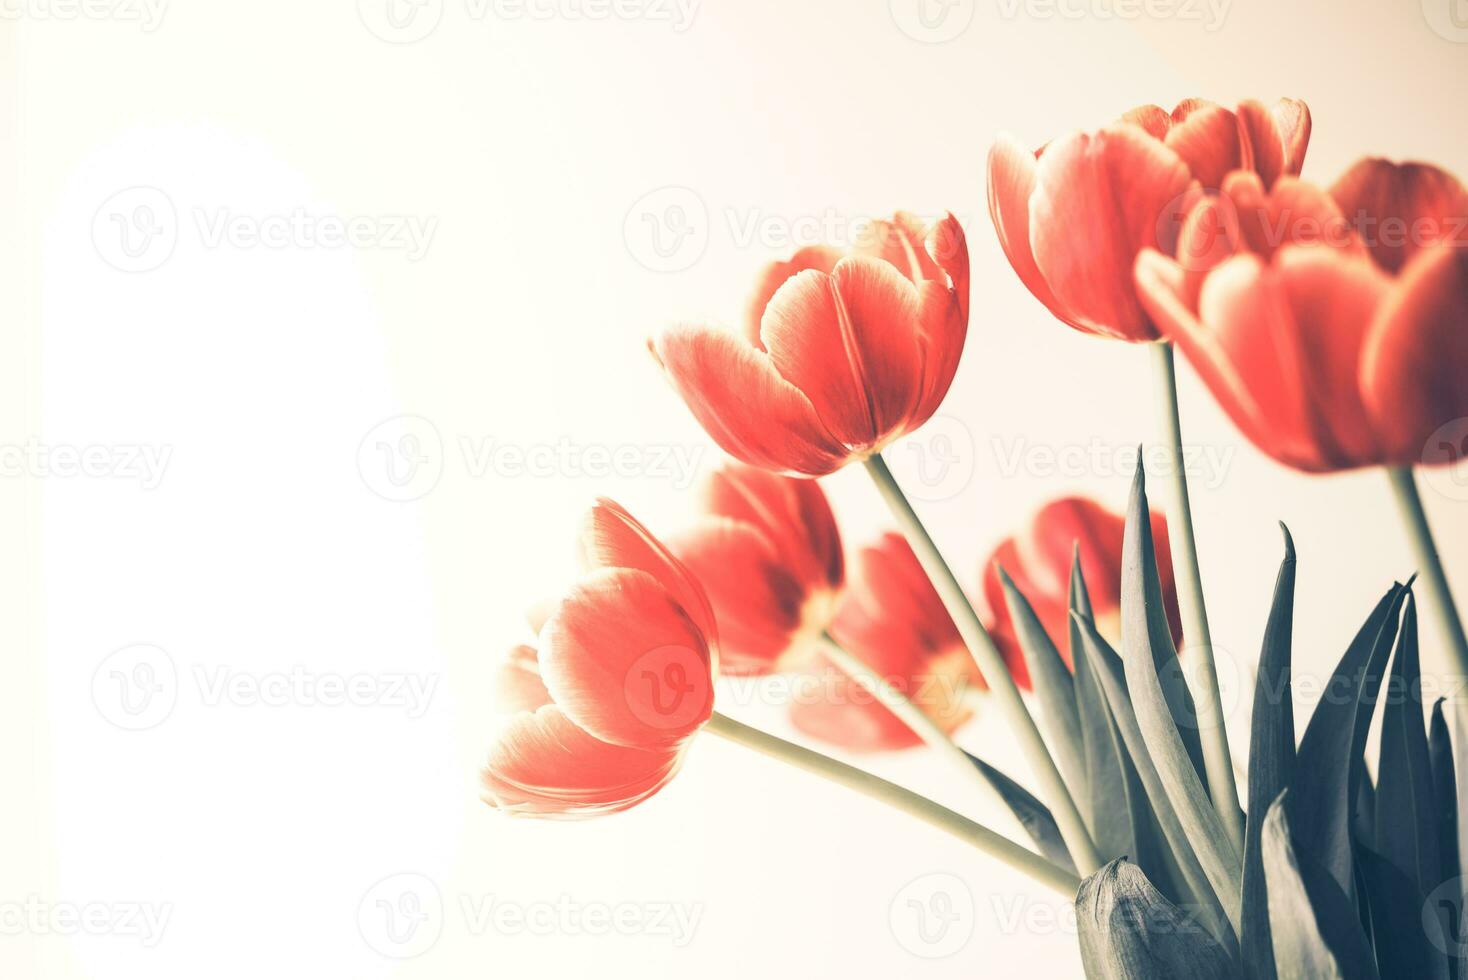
x=991, y=664
x=1429, y=565
x=900, y=799
x=1199, y=640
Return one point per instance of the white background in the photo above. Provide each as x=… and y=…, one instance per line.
x=524, y=149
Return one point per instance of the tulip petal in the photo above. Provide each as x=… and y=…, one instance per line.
x=517, y=683
x=793, y=515
x=1413, y=367
x=1012, y=171
x=822, y=258
x=1403, y=209
x=1274, y=137
x=1207, y=138
x=545, y=766
x=842, y=712
x=625, y=662
x=1099, y=200
x=745, y=406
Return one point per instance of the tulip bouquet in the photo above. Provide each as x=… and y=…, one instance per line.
x=1331, y=325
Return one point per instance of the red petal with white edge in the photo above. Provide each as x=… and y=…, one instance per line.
x=756, y=599
x=745, y=406
x=1274, y=138
x=899, y=242
x=517, y=683
x=849, y=341
x=1012, y=171
x=624, y=662
x=1416, y=360
x=822, y=258
x=1099, y=200
x=1292, y=121
x=612, y=538
x=1153, y=119
x=792, y=513
x=1403, y=209
x=542, y=765
x=1207, y=138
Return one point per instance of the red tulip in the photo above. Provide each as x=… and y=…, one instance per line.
x=768, y=554
x=849, y=351
x=1328, y=326
x=891, y=618
x=1039, y=559
x=600, y=716
x=1073, y=215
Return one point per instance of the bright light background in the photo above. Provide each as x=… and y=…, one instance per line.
x=529, y=192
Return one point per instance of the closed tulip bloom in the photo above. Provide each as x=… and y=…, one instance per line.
x=768, y=555
x=1329, y=326
x=842, y=352
x=601, y=713
x=1039, y=558
x=1073, y=215
x=890, y=618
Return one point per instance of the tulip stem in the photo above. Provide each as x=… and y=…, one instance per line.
x=1217, y=762
x=1429, y=565
x=991, y=664
x=976, y=834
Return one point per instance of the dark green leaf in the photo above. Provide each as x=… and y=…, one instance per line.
x=1445, y=799
x=1129, y=931
x=1033, y=815
x=1271, y=758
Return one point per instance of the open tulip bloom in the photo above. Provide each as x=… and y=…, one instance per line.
x=1332, y=327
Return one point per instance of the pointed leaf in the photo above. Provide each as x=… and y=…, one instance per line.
x=1053, y=685
x=1447, y=898
x=1164, y=708
x=1129, y=931
x=1311, y=920
x=1033, y=815
x=1271, y=758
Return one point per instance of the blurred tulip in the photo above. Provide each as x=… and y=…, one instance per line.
x=891, y=619
x=1328, y=326
x=600, y=715
x=768, y=554
x=1073, y=215
x=1038, y=560
x=843, y=351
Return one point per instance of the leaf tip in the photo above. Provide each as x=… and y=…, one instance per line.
x=1289, y=541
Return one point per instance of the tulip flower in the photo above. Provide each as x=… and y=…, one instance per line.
x=890, y=618
x=1329, y=326
x=601, y=713
x=849, y=351
x=1073, y=215
x=1039, y=559
x=768, y=555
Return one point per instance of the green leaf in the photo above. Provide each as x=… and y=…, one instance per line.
x=1329, y=764
x=1271, y=759
x=1312, y=921
x=1406, y=821
x=1033, y=815
x=1053, y=685
x=1164, y=708
x=1445, y=799
x=1190, y=872
x=1130, y=931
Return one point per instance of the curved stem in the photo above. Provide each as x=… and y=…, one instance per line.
x=1429, y=565
x=1214, y=736
x=898, y=798
x=991, y=664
